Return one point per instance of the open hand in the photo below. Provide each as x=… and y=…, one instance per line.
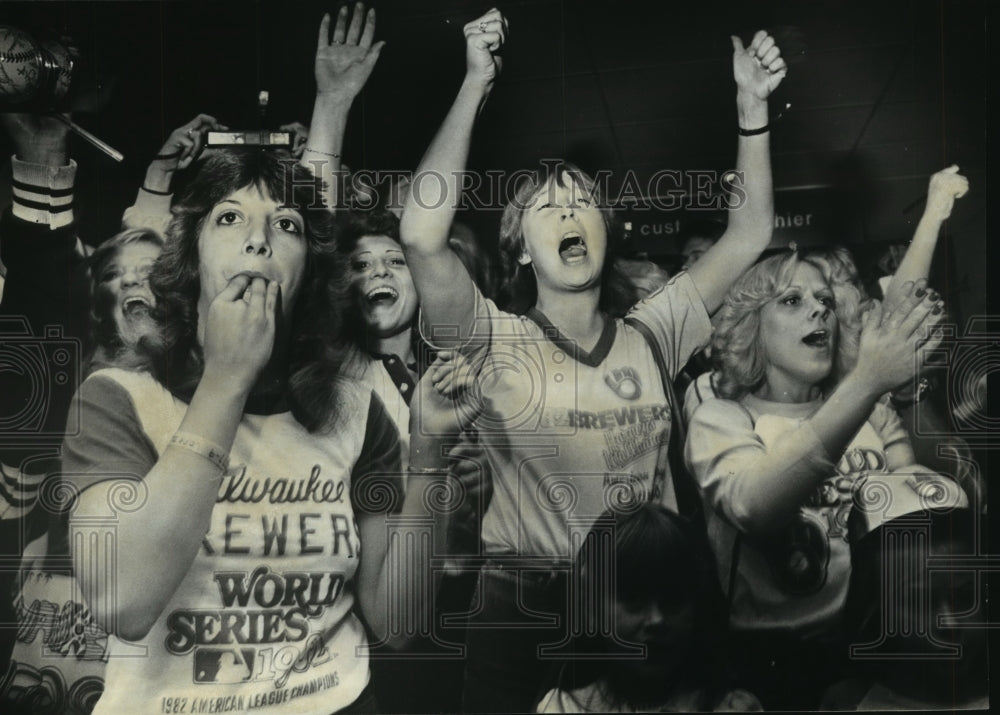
x=345, y=62
x=891, y=335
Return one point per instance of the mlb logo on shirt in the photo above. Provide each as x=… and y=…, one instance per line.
x=625, y=382
x=223, y=665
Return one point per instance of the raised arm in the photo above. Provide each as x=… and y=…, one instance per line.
x=758, y=70
x=445, y=288
x=758, y=488
x=184, y=145
x=945, y=186
x=344, y=62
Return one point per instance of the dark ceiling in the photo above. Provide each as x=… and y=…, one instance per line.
x=882, y=93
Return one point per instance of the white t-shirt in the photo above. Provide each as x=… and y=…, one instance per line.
x=569, y=433
x=265, y=617
x=797, y=577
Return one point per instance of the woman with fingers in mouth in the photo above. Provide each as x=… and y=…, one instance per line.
x=797, y=430
x=576, y=417
x=244, y=468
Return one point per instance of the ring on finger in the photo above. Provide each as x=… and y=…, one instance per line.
x=483, y=25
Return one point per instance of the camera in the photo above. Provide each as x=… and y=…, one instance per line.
x=261, y=138
x=38, y=376
x=964, y=365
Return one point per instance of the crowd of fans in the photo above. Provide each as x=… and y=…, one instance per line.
x=315, y=458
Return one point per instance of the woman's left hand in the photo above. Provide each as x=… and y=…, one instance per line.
x=759, y=68
x=345, y=62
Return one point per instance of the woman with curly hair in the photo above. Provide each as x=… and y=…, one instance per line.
x=251, y=554
x=778, y=456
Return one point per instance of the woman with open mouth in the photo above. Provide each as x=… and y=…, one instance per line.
x=384, y=303
x=778, y=458
x=575, y=414
x=123, y=303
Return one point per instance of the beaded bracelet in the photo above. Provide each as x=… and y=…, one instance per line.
x=203, y=448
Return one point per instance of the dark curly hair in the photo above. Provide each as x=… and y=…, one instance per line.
x=352, y=226
x=519, y=290
x=317, y=354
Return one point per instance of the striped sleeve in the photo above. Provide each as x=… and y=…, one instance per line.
x=43, y=194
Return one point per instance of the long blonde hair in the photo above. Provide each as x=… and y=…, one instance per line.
x=737, y=353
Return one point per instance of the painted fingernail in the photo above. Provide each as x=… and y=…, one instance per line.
x=920, y=292
x=937, y=309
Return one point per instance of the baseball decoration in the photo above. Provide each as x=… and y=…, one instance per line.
x=32, y=71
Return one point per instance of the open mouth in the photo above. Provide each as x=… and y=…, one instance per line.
x=382, y=295
x=136, y=307
x=572, y=246
x=817, y=339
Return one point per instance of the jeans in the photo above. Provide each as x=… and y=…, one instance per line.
x=516, y=613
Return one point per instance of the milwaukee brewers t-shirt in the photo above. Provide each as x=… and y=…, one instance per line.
x=570, y=433
x=265, y=618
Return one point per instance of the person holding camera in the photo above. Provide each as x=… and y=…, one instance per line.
x=185, y=144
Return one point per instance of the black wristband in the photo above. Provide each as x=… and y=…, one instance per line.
x=158, y=193
x=167, y=157
x=767, y=127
